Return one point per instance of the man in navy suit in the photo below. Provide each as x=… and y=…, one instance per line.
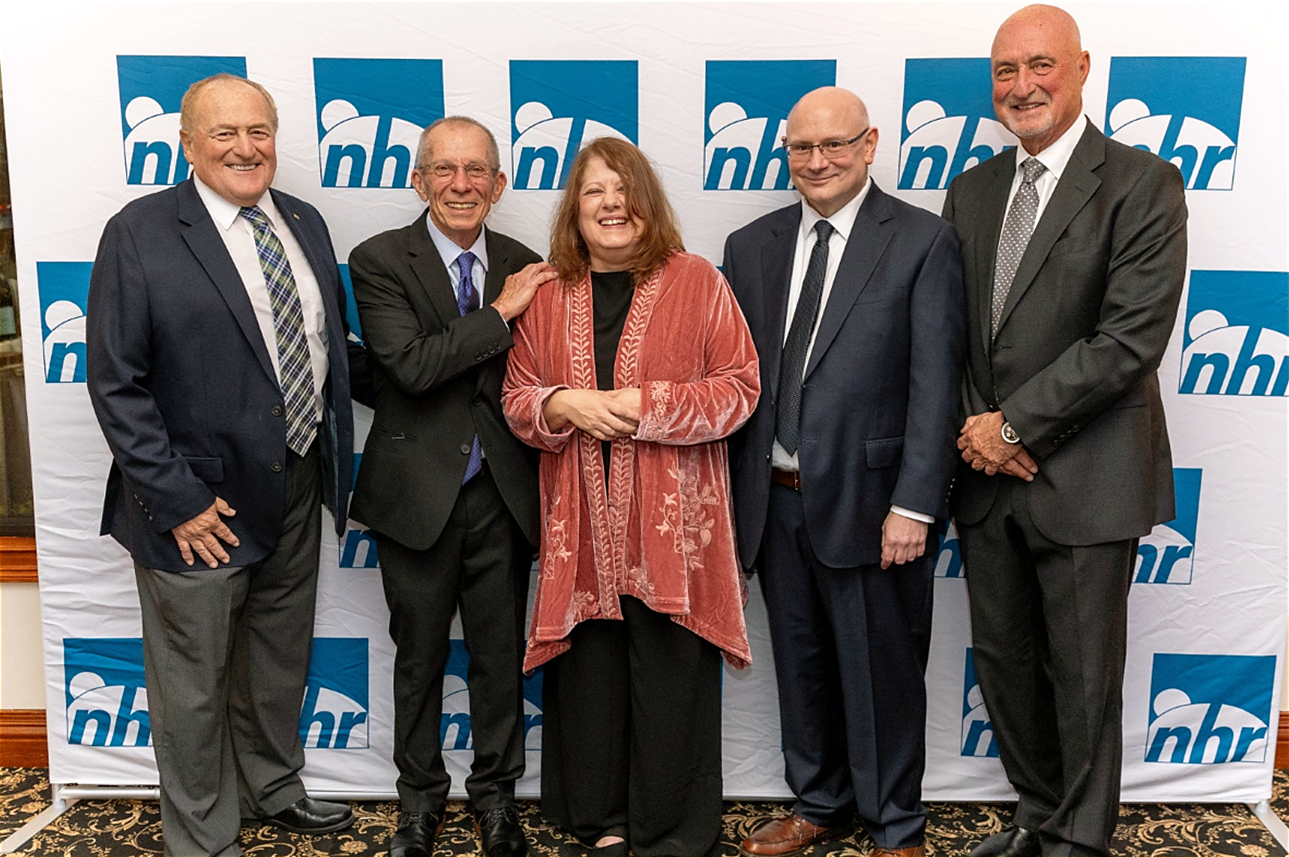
x=842, y=475
x=218, y=372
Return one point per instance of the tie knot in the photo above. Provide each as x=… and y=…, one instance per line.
x=465, y=264
x=255, y=215
x=1033, y=168
x=823, y=229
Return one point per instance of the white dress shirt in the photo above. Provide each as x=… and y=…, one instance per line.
x=239, y=238
x=1055, y=157
x=843, y=226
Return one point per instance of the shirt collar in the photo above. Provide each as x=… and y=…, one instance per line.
x=843, y=220
x=225, y=213
x=449, y=250
x=1056, y=156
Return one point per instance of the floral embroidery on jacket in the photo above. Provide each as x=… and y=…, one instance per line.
x=685, y=518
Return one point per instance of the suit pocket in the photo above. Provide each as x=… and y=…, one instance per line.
x=206, y=469
x=884, y=452
x=1075, y=243
x=392, y=435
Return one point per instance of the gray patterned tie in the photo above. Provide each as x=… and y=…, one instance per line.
x=1017, y=229
x=288, y=327
x=797, y=345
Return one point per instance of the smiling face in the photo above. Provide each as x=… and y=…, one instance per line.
x=458, y=200
x=230, y=142
x=1039, y=69
x=822, y=116
x=605, y=221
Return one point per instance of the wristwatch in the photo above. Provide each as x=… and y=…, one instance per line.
x=1009, y=433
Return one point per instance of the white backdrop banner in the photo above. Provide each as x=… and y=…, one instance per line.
x=92, y=98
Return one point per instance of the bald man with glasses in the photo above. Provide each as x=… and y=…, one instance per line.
x=841, y=476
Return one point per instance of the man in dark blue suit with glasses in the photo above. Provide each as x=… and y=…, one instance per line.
x=841, y=476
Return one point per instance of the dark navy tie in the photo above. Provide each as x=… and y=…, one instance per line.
x=793, y=368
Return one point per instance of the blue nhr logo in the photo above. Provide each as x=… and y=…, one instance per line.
x=948, y=123
x=1236, y=341
x=1184, y=109
x=334, y=714
x=107, y=702
x=948, y=560
x=747, y=106
x=1167, y=555
x=557, y=105
x=454, y=728
x=64, y=289
x=357, y=544
x=370, y=116
x=977, y=732
x=1209, y=709
x=151, y=90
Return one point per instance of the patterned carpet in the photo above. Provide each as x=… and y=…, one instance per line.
x=124, y=827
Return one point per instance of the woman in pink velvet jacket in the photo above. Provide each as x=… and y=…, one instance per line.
x=628, y=374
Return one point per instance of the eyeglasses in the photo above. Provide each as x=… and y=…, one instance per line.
x=474, y=171
x=830, y=149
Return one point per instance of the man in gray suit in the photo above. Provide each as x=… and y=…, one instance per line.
x=1074, y=254
x=450, y=493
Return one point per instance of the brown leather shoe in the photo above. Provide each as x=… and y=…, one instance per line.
x=912, y=851
x=790, y=834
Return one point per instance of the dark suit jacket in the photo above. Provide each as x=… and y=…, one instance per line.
x=438, y=383
x=1087, y=319
x=880, y=399
x=183, y=386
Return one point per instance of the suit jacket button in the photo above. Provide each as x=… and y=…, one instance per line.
x=465, y=449
x=479, y=400
x=277, y=410
x=276, y=467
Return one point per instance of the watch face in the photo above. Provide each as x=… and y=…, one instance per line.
x=1009, y=434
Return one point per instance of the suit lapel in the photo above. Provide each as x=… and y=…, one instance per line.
x=203, y=238
x=436, y=286
x=993, y=208
x=498, y=266
x=1075, y=188
x=865, y=246
x=776, y=272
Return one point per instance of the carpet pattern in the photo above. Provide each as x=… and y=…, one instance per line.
x=129, y=827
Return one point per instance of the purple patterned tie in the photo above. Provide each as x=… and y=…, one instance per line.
x=467, y=302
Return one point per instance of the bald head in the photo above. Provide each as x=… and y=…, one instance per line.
x=831, y=101
x=830, y=146
x=1056, y=25
x=1039, y=68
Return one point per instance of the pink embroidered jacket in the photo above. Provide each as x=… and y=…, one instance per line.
x=663, y=532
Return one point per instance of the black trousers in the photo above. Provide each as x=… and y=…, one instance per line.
x=850, y=652
x=631, y=734
x=480, y=564
x=226, y=657
x=1049, y=635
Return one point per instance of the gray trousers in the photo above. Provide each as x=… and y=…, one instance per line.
x=1049, y=630
x=225, y=657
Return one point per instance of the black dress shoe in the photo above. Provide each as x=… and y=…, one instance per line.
x=1011, y=841
x=313, y=816
x=416, y=834
x=501, y=833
